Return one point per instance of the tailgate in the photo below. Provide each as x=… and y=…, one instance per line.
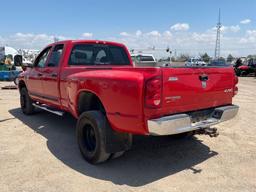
x=190, y=89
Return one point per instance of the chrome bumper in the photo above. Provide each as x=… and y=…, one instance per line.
x=180, y=123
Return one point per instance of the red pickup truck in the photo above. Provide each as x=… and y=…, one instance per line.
x=97, y=83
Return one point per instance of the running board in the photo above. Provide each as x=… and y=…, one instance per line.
x=44, y=107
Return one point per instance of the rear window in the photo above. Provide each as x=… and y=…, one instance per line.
x=97, y=54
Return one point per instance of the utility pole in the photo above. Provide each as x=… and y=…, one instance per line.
x=217, y=45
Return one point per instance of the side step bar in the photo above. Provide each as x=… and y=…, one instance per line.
x=44, y=107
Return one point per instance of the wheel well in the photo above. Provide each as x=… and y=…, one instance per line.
x=21, y=85
x=88, y=101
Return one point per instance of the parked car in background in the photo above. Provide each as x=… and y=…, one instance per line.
x=145, y=60
x=217, y=62
x=246, y=69
x=195, y=62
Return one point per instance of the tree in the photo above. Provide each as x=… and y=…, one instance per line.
x=230, y=58
x=205, y=57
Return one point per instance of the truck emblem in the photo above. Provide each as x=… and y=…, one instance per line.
x=173, y=79
x=228, y=90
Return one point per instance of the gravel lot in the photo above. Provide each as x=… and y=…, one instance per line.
x=39, y=153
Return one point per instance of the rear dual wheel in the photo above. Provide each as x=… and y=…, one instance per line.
x=91, y=133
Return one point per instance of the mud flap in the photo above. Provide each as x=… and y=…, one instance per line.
x=117, y=141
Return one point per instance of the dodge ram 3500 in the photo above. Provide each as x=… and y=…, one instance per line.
x=97, y=83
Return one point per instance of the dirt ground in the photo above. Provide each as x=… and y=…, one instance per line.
x=39, y=153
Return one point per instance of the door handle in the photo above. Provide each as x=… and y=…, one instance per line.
x=54, y=75
x=203, y=77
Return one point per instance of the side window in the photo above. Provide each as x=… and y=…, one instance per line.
x=55, y=56
x=118, y=55
x=81, y=55
x=42, y=58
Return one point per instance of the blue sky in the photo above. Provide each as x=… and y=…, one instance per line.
x=183, y=25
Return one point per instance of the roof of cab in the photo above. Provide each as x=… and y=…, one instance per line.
x=89, y=41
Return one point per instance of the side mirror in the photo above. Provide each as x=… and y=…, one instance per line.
x=17, y=60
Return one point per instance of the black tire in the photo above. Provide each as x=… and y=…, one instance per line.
x=26, y=102
x=91, y=136
x=243, y=73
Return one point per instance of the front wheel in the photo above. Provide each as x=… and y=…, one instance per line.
x=91, y=133
x=26, y=102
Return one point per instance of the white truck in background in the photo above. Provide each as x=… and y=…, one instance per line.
x=145, y=60
x=195, y=62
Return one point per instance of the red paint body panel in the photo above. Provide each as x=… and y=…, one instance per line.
x=121, y=89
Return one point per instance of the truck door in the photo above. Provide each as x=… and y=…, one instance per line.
x=35, y=76
x=51, y=75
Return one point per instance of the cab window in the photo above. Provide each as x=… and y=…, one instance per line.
x=55, y=56
x=42, y=58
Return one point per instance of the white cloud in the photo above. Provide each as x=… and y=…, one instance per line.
x=138, y=33
x=226, y=29
x=87, y=35
x=168, y=34
x=30, y=40
x=190, y=42
x=250, y=37
x=235, y=28
x=180, y=27
x=207, y=37
x=125, y=34
x=245, y=21
x=154, y=34
x=251, y=32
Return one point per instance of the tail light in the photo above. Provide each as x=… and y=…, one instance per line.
x=236, y=80
x=235, y=90
x=153, y=92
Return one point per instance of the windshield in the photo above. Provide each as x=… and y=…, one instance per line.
x=144, y=58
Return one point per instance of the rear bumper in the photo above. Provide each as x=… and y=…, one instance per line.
x=180, y=123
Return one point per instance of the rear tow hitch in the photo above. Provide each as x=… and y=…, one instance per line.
x=212, y=132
